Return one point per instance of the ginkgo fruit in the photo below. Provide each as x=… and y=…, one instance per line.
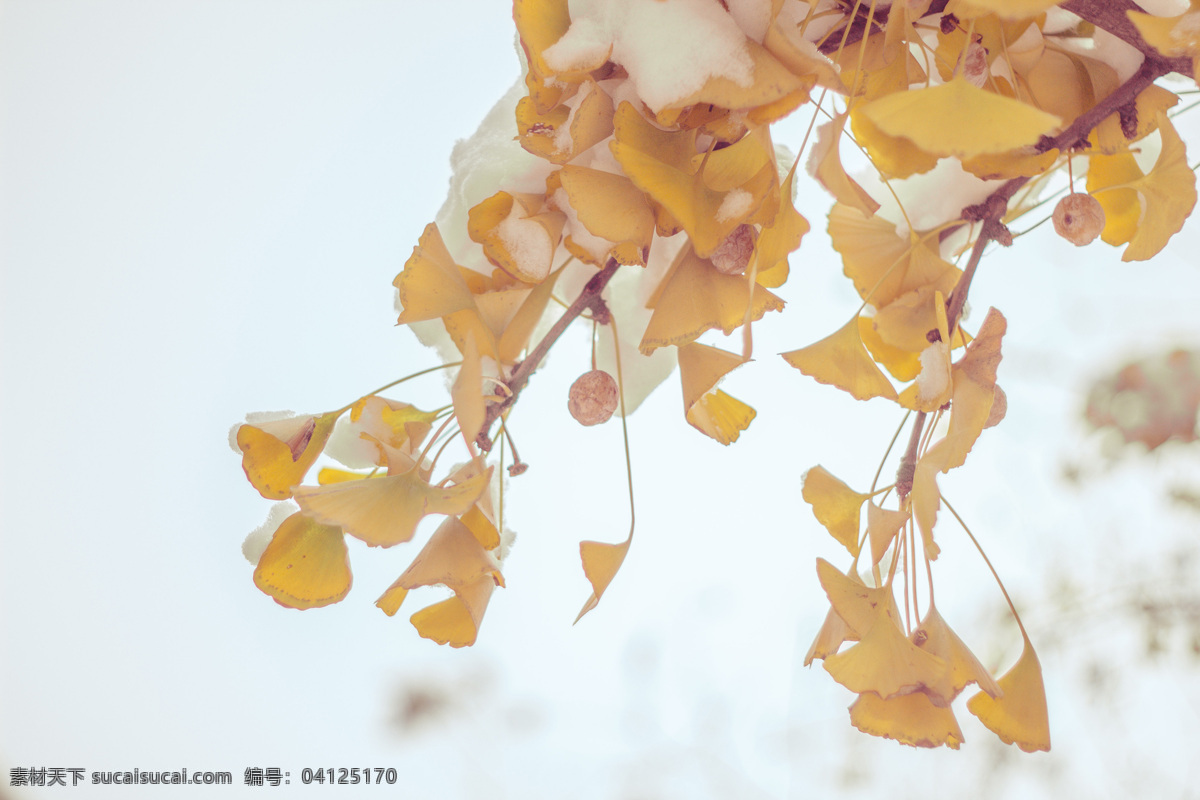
x=1078, y=218
x=593, y=397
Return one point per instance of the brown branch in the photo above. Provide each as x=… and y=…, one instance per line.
x=1110, y=16
x=589, y=300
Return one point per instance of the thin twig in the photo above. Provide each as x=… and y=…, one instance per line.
x=589, y=300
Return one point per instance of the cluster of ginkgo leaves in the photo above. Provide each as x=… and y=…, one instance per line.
x=649, y=198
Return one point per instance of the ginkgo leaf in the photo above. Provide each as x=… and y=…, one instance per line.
x=1109, y=137
x=566, y=130
x=926, y=498
x=834, y=632
x=884, y=662
x=385, y=511
x=707, y=409
x=933, y=386
x=455, y=621
x=1168, y=195
x=520, y=328
x=601, y=561
x=612, y=208
x=908, y=718
x=903, y=364
x=841, y=360
x=709, y=194
x=882, y=527
x=1020, y=163
x=958, y=119
x=277, y=455
x=695, y=297
x=306, y=564
x=974, y=390
x=835, y=505
x=1108, y=180
x=825, y=164
x=894, y=156
x=452, y=557
x=480, y=518
x=467, y=393
x=1019, y=716
x=855, y=603
x=540, y=24
x=335, y=475
x=518, y=232
x=430, y=286
x=962, y=667
x=779, y=237
x=882, y=265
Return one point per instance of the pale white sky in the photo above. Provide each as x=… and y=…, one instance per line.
x=202, y=207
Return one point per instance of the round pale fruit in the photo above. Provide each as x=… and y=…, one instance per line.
x=1079, y=219
x=593, y=397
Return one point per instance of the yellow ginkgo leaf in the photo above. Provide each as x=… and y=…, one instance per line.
x=1108, y=180
x=540, y=24
x=707, y=409
x=480, y=518
x=894, y=156
x=958, y=119
x=1167, y=193
x=431, y=286
x=709, y=194
x=1172, y=36
x=1023, y=163
x=385, y=511
x=520, y=328
x=882, y=265
x=834, y=632
x=469, y=324
x=695, y=297
x=277, y=455
x=826, y=157
x=909, y=719
x=394, y=423
x=974, y=378
x=455, y=621
x=601, y=561
x=855, y=603
x=452, y=557
x=335, y=475
x=612, y=208
x=926, y=498
x=568, y=129
x=306, y=564
x=1019, y=715
x=467, y=393
x=884, y=662
x=1109, y=137
x=933, y=386
x=779, y=237
x=841, y=360
x=962, y=667
x=903, y=364
x=882, y=527
x=518, y=232
x=835, y=505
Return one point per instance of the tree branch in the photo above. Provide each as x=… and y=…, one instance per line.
x=589, y=300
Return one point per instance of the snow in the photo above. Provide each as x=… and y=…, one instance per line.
x=526, y=241
x=736, y=205
x=704, y=42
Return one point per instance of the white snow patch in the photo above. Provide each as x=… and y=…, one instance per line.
x=736, y=205
x=934, y=377
x=258, y=539
x=752, y=16
x=670, y=49
x=526, y=241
